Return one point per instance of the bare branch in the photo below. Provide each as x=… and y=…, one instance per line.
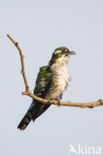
x=45, y=101
x=22, y=61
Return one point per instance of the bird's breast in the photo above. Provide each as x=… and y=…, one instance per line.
x=61, y=78
x=59, y=83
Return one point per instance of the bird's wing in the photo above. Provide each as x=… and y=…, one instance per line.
x=43, y=81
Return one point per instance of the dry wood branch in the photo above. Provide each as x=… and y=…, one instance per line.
x=45, y=101
x=22, y=62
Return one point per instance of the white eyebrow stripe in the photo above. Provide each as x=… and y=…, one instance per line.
x=58, y=51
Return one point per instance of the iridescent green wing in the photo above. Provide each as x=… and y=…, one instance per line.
x=43, y=81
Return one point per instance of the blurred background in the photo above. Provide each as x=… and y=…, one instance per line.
x=40, y=27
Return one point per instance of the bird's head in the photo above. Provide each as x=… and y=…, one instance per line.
x=61, y=54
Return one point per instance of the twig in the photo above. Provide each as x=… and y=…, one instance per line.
x=22, y=62
x=45, y=101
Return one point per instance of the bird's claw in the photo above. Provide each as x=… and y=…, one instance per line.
x=58, y=102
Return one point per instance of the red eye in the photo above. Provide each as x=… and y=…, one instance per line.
x=64, y=52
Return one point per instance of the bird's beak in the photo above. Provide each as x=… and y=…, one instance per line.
x=72, y=53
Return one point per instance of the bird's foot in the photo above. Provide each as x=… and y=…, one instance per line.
x=58, y=100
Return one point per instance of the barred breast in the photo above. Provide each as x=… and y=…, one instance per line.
x=60, y=82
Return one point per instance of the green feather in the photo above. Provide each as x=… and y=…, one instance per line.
x=43, y=81
x=61, y=48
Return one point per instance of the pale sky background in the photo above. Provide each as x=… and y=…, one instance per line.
x=40, y=27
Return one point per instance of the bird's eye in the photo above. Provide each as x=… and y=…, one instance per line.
x=64, y=51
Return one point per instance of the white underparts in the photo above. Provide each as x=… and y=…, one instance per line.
x=60, y=80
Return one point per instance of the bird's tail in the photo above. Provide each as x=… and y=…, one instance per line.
x=25, y=121
x=34, y=111
x=27, y=118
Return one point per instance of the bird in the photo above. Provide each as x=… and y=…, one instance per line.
x=51, y=82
